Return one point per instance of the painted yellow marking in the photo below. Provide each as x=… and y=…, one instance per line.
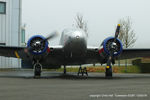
x=17, y=55
x=118, y=24
x=107, y=67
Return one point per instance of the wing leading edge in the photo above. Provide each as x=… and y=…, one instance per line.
x=15, y=52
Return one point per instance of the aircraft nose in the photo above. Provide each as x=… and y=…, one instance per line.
x=77, y=37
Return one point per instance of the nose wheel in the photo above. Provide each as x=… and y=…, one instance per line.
x=37, y=69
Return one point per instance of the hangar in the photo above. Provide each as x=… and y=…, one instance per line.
x=10, y=30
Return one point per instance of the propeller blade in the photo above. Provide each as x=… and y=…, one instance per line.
x=117, y=32
x=52, y=35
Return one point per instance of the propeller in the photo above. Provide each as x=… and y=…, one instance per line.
x=113, y=46
x=51, y=36
x=37, y=44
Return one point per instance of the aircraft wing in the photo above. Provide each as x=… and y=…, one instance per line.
x=15, y=52
x=134, y=53
x=19, y=52
x=93, y=54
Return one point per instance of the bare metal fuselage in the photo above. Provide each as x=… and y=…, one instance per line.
x=74, y=42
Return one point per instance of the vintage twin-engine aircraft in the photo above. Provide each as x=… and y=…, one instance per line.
x=73, y=50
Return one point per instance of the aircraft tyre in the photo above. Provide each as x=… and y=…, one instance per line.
x=108, y=73
x=37, y=70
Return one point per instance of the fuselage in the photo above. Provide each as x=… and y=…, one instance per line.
x=74, y=42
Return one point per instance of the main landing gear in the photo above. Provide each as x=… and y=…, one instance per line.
x=108, y=72
x=65, y=69
x=108, y=69
x=37, y=70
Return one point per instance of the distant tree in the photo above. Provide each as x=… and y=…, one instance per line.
x=127, y=34
x=81, y=23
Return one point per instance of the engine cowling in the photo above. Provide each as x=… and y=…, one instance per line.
x=108, y=44
x=37, y=45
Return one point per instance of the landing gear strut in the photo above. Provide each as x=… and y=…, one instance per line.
x=64, y=69
x=37, y=69
x=108, y=73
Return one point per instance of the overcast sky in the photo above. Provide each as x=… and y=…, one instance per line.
x=45, y=16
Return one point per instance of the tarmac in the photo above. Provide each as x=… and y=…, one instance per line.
x=20, y=85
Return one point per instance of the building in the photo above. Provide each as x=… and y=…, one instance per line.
x=10, y=30
x=23, y=32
